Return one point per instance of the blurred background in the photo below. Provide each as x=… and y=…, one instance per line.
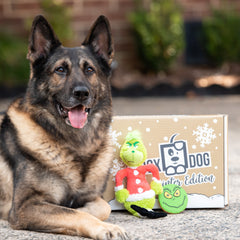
x=163, y=47
x=171, y=57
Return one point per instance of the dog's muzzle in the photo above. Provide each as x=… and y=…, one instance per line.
x=76, y=116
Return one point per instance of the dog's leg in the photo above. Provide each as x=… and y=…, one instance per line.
x=98, y=208
x=6, y=189
x=52, y=218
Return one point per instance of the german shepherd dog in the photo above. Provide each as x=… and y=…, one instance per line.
x=54, y=140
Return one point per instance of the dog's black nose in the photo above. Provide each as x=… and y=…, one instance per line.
x=81, y=92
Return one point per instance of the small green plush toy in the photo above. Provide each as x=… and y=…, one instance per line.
x=139, y=197
x=174, y=199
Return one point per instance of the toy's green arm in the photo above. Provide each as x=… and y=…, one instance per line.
x=120, y=192
x=156, y=187
x=122, y=195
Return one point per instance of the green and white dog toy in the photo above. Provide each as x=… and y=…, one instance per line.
x=138, y=197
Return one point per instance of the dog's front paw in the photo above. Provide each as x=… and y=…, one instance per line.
x=107, y=231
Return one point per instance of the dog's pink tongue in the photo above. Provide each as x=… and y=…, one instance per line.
x=77, y=117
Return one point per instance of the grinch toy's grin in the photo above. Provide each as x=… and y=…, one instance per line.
x=178, y=206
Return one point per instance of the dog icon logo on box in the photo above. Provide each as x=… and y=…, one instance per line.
x=174, y=157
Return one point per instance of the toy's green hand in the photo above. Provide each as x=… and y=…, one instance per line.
x=156, y=187
x=122, y=195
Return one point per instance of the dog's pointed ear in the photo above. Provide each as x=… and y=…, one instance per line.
x=99, y=39
x=42, y=39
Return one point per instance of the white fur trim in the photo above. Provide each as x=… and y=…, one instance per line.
x=155, y=180
x=141, y=196
x=118, y=188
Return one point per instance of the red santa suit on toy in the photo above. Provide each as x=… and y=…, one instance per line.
x=137, y=184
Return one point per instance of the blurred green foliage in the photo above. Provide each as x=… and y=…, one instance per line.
x=222, y=35
x=158, y=33
x=14, y=67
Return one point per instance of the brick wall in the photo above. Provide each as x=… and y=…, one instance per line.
x=198, y=9
x=14, y=12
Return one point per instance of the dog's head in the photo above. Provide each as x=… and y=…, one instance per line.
x=71, y=82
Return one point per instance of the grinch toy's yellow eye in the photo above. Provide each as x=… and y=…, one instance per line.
x=177, y=193
x=167, y=195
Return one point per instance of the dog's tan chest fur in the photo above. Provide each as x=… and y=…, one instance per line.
x=58, y=158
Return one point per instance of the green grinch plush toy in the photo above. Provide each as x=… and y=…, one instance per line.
x=138, y=197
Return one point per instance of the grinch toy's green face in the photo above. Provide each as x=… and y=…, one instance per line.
x=173, y=199
x=133, y=153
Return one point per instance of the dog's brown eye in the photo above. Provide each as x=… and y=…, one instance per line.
x=60, y=70
x=89, y=70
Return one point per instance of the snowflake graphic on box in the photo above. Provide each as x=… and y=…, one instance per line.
x=204, y=135
x=114, y=134
x=117, y=165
